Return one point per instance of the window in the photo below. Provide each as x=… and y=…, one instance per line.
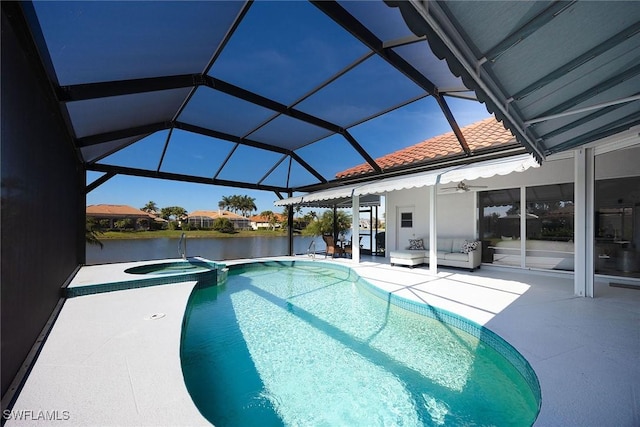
x=550, y=217
x=500, y=226
x=406, y=220
x=617, y=226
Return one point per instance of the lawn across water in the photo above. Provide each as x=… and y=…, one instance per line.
x=191, y=234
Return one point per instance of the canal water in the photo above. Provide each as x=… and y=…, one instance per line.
x=211, y=248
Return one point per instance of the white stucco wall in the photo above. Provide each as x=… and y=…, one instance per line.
x=457, y=212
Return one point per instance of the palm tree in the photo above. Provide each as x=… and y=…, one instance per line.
x=247, y=205
x=150, y=207
x=225, y=203
x=243, y=204
x=324, y=225
x=93, y=230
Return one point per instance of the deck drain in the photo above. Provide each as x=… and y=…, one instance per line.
x=155, y=316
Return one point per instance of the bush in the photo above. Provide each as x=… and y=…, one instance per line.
x=123, y=224
x=223, y=225
x=156, y=225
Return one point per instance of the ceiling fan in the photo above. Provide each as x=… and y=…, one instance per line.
x=462, y=187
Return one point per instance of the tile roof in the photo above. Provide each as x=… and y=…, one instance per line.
x=115, y=210
x=216, y=214
x=263, y=218
x=487, y=133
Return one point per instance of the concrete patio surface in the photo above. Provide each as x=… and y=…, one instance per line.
x=109, y=361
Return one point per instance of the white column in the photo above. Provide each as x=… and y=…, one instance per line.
x=583, y=222
x=523, y=227
x=433, y=226
x=355, y=228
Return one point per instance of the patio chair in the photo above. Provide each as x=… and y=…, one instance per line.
x=332, y=248
x=348, y=249
x=380, y=242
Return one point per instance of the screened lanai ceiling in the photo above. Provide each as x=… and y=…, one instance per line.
x=272, y=95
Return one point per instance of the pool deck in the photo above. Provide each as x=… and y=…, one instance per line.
x=109, y=361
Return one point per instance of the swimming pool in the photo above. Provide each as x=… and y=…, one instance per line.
x=308, y=343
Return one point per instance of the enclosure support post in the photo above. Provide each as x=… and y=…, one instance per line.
x=355, y=228
x=584, y=270
x=433, y=227
x=290, y=222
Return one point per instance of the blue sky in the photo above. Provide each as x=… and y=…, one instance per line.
x=400, y=129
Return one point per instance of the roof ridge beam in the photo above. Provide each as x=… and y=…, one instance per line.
x=122, y=133
x=228, y=137
x=87, y=91
x=254, y=98
x=123, y=170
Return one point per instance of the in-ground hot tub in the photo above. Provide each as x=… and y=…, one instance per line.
x=153, y=273
x=176, y=267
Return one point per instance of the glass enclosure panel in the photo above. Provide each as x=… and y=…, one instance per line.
x=249, y=164
x=550, y=227
x=289, y=133
x=214, y=110
x=96, y=116
x=322, y=156
x=369, y=88
x=93, y=153
x=419, y=121
x=500, y=226
x=282, y=50
x=294, y=176
x=420, y=56
x=193, y=154
x=101, y=41
x=385, y=22
x=144, y=154
x=617, y=226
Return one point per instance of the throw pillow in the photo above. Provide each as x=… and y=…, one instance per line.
x=469, y=246
x=416, y=245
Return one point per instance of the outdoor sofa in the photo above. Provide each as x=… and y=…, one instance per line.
x=451, y=252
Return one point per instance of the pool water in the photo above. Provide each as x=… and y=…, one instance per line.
x=309, y=345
